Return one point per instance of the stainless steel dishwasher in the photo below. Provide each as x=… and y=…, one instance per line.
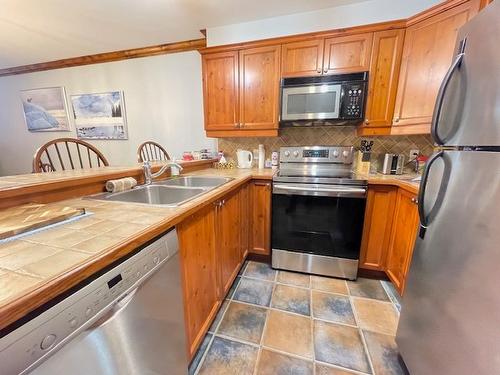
x=127, y=320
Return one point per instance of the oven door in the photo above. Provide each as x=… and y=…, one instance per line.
x=311, y=102
x=319, y=219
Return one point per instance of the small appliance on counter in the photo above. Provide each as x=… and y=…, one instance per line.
x=391, y=163
x=245, y=158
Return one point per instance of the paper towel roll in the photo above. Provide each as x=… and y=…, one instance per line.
x=262, y=156
x=122, y=184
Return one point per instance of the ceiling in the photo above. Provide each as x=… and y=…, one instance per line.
x=33, y=31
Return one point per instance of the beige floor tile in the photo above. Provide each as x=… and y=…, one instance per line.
x=332, y=307
x=294, y=278
x=243, y=322
x=329, y=370
x=376, y=316
x=55, y=264
x=259, y=270
x=97, y=244
x=272, y=363
x=329, y=284
x=290, y=298
x=283, y=331
x=27, y=255
x=368, y=288
x=13, y=284
x=383, y=353
x=340, y=345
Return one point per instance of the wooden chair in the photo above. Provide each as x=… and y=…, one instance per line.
x=151, y=151
x=67, y=153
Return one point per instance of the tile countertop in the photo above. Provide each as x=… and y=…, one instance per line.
x=39, y=266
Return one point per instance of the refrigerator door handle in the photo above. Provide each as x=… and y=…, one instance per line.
x=440, y=97
x=421, y=193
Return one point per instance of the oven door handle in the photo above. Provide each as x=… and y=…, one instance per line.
x=331, y=191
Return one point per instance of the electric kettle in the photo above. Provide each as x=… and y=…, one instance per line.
x=245, y=158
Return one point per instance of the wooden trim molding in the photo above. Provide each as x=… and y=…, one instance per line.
x=160, y=49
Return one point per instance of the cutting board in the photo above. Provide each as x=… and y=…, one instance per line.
x=28, y=217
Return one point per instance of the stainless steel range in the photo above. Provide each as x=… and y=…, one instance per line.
x=318, y=209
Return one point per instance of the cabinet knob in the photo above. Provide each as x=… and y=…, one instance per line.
x=319, y=71
x=367, y=121
x=414, y=200
x=396, y=119
x=325, y=71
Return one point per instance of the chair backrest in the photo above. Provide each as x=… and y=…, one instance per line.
x=151, y=151
x=67, y=153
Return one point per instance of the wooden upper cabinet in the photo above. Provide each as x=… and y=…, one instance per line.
x=220, y=90
x=403, y=234
x=384, y=72
x=427, y=54
x=347, y=54
x=260, y=226
x=259, y=87
x=379, y=216
x=303, y=58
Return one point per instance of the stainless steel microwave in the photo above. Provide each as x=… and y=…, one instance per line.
x=333, y=97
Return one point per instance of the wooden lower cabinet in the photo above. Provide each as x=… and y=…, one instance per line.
x=245, y=219
x=229, y=254
x=403, y=234
x=391, y=223
x=211, y=256
x=260, y=217
x=379, y=215
x=199, y=271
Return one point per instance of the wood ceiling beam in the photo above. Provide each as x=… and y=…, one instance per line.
x=160, y=49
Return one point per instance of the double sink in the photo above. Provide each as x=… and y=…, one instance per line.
x=170, y=193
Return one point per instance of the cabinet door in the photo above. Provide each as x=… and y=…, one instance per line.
x=199, y=274
x=229, y=240
x=260, y=229
x=404, y=231
x=347, y=54
x=302, y=58
x=379, y=216
x=259, y=87
x=387, y=50
x=220, y=90
x=427, y=54
x=245, y=220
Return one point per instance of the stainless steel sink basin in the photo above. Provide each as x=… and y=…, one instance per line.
x=154, y=194
x=195, y=181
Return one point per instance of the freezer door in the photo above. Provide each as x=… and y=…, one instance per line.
x=451, y=307
x=467, y=111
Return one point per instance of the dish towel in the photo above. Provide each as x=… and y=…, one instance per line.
x=122, y=184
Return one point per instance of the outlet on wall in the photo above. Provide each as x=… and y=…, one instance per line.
x=414, y=153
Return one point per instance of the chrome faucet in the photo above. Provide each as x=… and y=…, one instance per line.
x=149, y=176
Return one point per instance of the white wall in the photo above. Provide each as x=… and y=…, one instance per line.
x=366, y=12
x=163, y=102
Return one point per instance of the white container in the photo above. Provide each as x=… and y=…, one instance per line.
x=262, y=157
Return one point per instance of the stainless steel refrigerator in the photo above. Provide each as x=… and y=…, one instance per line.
x=450, y=318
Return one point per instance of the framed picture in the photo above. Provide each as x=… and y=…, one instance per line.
x=100, y=115
x=45, y=109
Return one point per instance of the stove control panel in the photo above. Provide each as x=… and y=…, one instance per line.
x=317, y=154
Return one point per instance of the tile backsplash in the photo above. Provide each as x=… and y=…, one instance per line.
x=328, y=136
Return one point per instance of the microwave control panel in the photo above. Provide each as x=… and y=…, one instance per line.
x=353, y=100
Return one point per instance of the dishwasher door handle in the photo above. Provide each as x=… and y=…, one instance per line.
x=315, y=190
x=118, y=306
